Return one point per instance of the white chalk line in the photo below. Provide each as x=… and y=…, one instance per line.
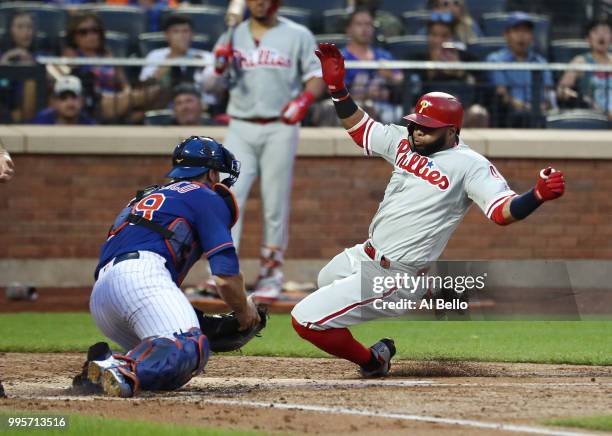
x=404, y=417
x=516, y=428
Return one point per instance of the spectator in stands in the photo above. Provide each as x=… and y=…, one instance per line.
x=107, y=93
x=593, y=89
x=7, y=168
x=188, y=108
x=385, y=23
x=18, y=47
x=442, y=48
x=514, y=88
x=372, y=88
x=179, y=33
x=466, y=29
x=66, y=104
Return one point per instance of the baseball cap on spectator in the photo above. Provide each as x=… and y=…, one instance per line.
x=517, y=18
x=175, y=19
x=186, y=88
x=67, y=84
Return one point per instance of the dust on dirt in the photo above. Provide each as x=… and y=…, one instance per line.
x=489, y=392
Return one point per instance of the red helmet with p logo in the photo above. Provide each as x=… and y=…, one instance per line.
x=437, y=109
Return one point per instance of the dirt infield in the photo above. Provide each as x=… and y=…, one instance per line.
x=326, y=396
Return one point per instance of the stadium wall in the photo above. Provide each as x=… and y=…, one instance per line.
x=70, y=183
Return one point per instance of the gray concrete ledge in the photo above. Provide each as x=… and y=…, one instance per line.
x=582, y=274
x=314, y=141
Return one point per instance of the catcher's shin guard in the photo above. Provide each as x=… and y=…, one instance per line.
x=166, y=364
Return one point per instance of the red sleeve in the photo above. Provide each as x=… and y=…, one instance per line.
x=358, y=131
x=497, y=215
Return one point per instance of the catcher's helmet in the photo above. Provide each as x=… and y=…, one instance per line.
x=437, y=109
x=198, y=154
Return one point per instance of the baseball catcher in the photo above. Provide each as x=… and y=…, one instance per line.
x=136, y=300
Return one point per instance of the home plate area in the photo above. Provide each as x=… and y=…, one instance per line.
x=326, y=396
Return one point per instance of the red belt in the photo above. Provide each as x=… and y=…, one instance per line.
x=258, y=120
x=371, y=252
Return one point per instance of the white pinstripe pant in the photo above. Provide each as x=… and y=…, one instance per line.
x=137, y=299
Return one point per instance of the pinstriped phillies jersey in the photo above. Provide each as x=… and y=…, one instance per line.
x=427, y=197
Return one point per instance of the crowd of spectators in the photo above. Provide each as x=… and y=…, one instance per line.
x=106, y=94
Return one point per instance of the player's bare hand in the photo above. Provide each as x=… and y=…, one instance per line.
x=550, y=185
x=249, y=317
x=7, y=168
x=332, y=65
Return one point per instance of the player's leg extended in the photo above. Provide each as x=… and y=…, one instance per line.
x=322, y=318
x=243, y=140
x=168, y=348
x=276, y=162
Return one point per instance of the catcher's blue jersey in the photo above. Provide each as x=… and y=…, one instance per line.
x=198, y=218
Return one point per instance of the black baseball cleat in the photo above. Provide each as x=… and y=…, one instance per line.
x=380, y=364
x=82, y=382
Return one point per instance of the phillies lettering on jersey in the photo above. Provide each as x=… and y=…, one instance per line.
x=419, y=166
x=283, y=59
x=262, y=57
x=427, y=197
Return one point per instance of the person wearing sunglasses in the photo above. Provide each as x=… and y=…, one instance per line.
x=107, y=93
x=66, y=104
x=466, y=29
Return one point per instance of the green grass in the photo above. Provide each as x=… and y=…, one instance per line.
x=602, y=423
x=98, y=426
x=574, y=342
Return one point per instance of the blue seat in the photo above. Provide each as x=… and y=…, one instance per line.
x=48, y=19
x=398, y=7
x=414, y=21
x=119, y=44
x=299, y=15
x=578, y=119
x=405, y=47
x=494, y=24
x=315, y=6
x=564, y=50
x=152, y=40
x=340, y=39
x=207, y=20
x=334, y=21
x=482, y=47
x=479, y=7
x=129, y=20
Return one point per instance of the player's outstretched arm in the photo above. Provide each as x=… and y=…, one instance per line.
x=231, y=290
x=332, y=66
x=550, y=186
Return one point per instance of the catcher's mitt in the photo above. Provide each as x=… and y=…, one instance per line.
x=222, y=330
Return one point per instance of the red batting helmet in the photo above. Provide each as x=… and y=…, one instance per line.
x=437, y=109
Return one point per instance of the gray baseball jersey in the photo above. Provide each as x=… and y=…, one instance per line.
x=427, y=197
x=270, y=73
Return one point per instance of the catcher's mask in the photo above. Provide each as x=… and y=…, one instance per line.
x=198, y=154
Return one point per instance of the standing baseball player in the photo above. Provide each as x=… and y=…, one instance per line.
x=435, y=179
x=273, y=78
x=155, y=240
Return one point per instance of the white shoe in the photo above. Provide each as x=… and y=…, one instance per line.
x=268, y=289
x=106, y=373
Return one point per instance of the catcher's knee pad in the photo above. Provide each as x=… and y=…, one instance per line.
x=166, y=364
